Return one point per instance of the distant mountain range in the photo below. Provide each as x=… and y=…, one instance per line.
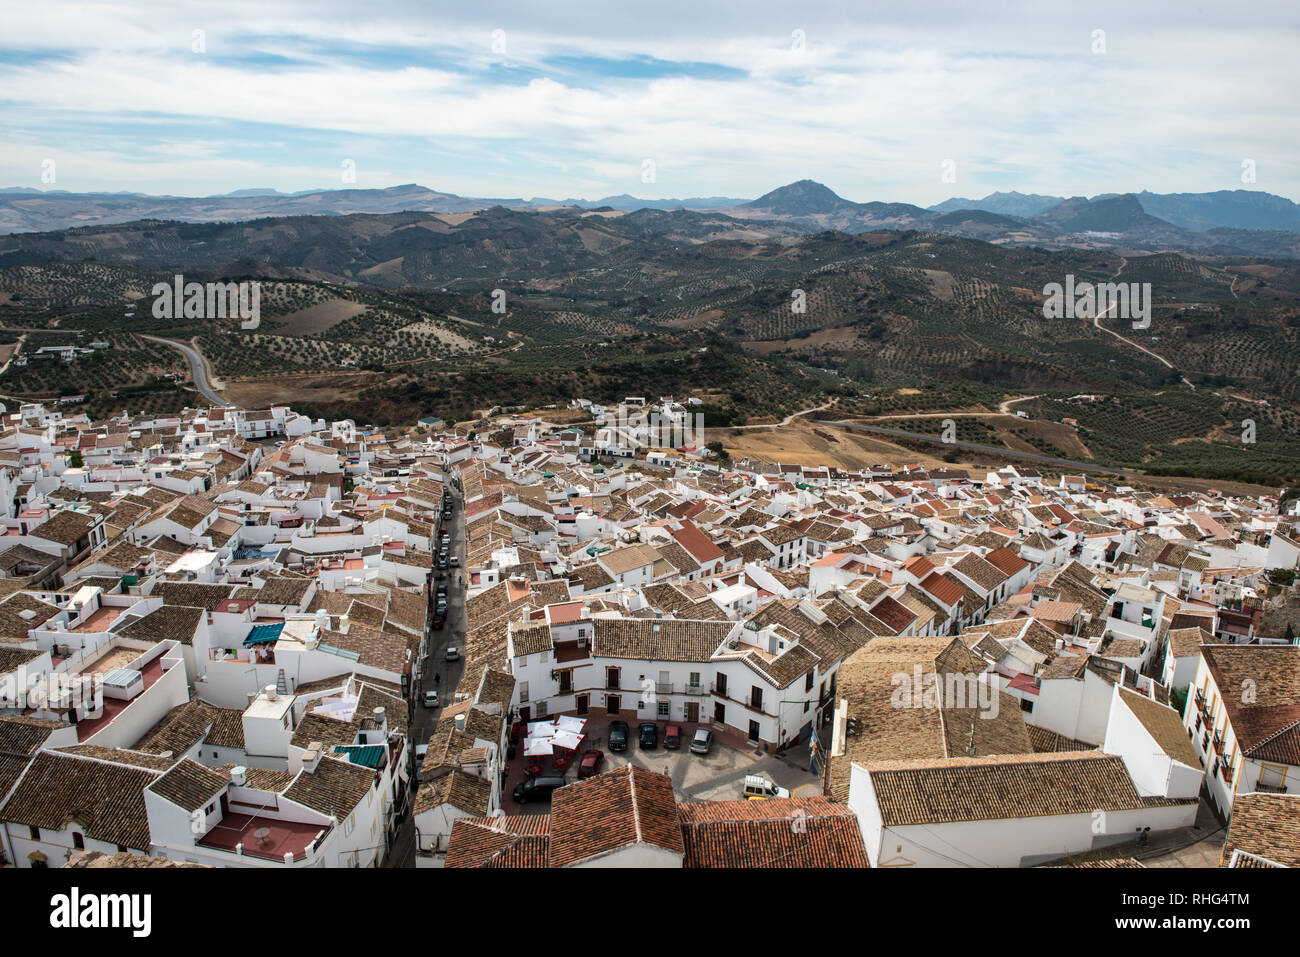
x=24, y=210
x=1228, y=222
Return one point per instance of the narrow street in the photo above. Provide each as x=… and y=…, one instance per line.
x=434, y=671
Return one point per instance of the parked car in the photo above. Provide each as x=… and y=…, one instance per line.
x=648, y=732
x=538, y=789
x=455, y=561
x=453, y=654
x=618, y=735
x=420, y=751
x=590, y=764
x=702, y=742
x=759, y=788
x=439, y=622
x=673, y=737
x=431, y=699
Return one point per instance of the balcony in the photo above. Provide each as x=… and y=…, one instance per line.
x=695, y=689
x=663, y=687
x=1218, y=744
x=1225, y=769
x=1271, y=788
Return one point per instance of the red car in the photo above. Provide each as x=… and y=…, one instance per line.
x=590, y=764
x=673, y=737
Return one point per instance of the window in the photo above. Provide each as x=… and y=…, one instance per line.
x=34, y=833
x=348, y=825
x=582, y=633
x=662, y=709
x=1026, y=705
x=808, y=682
x=539, y=709
x=523, y=692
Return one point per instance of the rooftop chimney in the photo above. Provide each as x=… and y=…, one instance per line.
x=312, y=757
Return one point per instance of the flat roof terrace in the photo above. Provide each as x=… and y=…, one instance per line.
x=268, y=838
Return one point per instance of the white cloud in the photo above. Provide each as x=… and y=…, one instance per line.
x=877, y=100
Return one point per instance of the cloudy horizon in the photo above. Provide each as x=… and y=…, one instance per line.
x=887, y=102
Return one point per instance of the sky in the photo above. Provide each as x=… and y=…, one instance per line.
x=915, y=101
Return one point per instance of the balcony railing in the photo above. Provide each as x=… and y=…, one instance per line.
x=696, y=689
x=663, y=687
x=1218, y=744
x=1271, y=788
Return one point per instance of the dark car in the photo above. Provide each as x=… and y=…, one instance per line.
x=649, y=735
x=538, y=789
x=673, y=737
x=618, y=735
x=589, y=767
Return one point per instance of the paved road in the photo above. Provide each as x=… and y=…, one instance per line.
x=990, y=449
x=435, y=666
x=198, y=370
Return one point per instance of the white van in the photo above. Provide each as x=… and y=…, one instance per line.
x=759, y=788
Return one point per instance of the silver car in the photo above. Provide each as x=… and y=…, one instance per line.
x=702, y=741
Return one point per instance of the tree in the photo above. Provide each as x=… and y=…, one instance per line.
x=1282, y=576
x=75, y=460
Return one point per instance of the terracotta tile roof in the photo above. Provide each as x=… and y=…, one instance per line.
x=1267, y=728
x=1002, y=787
x=105, y=798
x=463, y=791
x=630, y=806
x=654, y=639
x=334, y=787
x=1164, y=724
x=189, y=785
x=512, y=841
x=170, y=621
x=1265, y=825
x=783, y=832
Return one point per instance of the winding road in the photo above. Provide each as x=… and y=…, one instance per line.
x=198, y=370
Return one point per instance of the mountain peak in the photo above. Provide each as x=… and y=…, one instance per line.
x=803, y=198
